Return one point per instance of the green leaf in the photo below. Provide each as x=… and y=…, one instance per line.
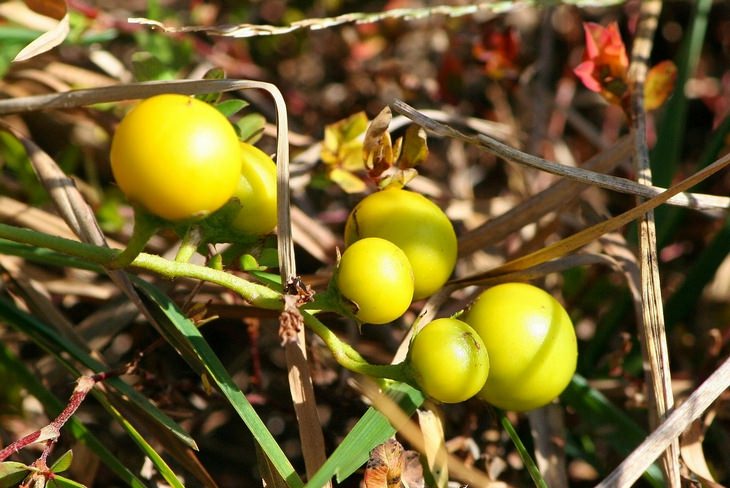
x=342, y=145
x=250, y=127
x=63, y=462
x=63, y=482
x=212, y=74
x=249, y=263
x=414, y=148
x=522, y=451
x=148, y=67
x=348, y=181
x=203, y=360
x=12, y=473
x=231, y=106
x=370, y=431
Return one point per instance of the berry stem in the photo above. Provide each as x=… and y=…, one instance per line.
x=192, y=239
x=145, y=226
x=350, y=359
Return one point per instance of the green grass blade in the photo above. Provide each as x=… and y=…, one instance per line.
x=205, y=360
x=522, y=451
x=617, y=428
x=48, y=338
x=167, y=473
x=371, y=430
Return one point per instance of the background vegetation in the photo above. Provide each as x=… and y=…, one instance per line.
x=504, y=70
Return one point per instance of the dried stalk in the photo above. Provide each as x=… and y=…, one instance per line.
x=654, y=336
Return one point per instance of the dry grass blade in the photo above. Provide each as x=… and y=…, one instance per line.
x=696, y=201
x=300, y=378
x=654, y=336
x=433, y=443
x=676, y=422
x=254, y=30
x=75, y=211
x=25, y=215
x=580, y=239
x=116, y=93
x=532, y=209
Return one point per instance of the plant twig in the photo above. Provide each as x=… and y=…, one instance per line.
x=51, y=432
x=696, y=201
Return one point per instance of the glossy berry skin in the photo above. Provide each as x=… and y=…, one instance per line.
x=531, y=344
x=376, y=275
x=416, y=225
x=256, y=192
x=449, y=360
x=176, y=156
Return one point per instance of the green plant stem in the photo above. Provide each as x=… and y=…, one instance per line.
x=350, y=359
x=257, y=295
x=145, y=226
x=189, y=245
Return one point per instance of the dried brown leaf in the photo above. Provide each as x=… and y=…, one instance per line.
x=377, y=147
x=693, y=454
x=385, y=466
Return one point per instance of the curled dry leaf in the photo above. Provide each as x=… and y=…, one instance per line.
x=385, y=466
x=377, y=150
